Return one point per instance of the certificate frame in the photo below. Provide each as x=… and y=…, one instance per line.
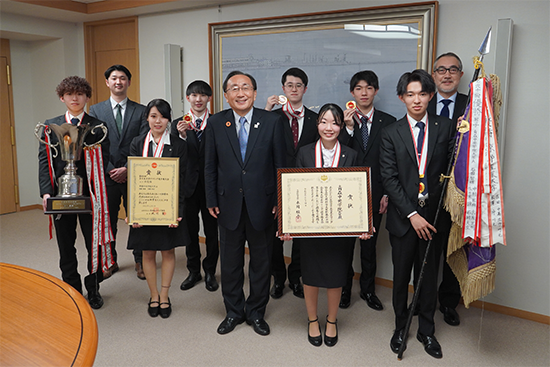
x=294, y=188
x=153, y=197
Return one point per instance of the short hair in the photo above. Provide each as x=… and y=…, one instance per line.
x=162, y=106
x=366, y=75
x=452, y=54
x=199, y=87
x=418, y=75
x=118, y=67
x=295, y=72
x=336, y=112
x=74, y=84
x=237, y=72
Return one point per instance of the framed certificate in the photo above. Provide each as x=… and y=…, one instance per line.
x=321, y=202
x=153, y=190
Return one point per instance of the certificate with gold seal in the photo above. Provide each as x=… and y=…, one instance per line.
x=324, y=202
x=153, y=190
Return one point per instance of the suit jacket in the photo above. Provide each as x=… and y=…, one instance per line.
x=460, y=106
x=229, y=180
x=309, y=134
x=399, y=168
x=306, y=157
x=371, y=156
x=177, y=148
x=59, y=164
x=134, y=124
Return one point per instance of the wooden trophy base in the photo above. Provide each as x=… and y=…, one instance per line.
x=68, y=205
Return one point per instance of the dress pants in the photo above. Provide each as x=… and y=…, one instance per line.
x=232, y=244
x=278, y=266
x=65, y=231
x=193, y=206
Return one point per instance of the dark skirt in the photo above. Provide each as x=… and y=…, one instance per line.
x=158, y=238
x=325, y=261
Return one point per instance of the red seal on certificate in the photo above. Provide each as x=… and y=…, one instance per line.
x=282, y=99
x=351, y=105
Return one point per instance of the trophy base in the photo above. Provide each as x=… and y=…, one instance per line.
x=68, y=205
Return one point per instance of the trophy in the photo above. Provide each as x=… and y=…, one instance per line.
x=70, y=141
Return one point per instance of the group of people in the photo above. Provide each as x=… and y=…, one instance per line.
x=228, y=173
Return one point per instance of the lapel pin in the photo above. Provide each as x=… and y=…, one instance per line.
x=256, y=125
x=228, y=124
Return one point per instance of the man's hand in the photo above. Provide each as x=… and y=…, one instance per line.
x=383, y=205
x=214, y=211
x=348, y=118
x=422, y=227
x=366, y=236
x=182, y=128
x=44, y=198
x=118, y=175
x=271, y=102
x=175, y=225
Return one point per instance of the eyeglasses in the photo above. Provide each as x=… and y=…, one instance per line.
x=245, y=88
x=442, y=70
x=292, y=86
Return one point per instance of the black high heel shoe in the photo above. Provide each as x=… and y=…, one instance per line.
x=314, y=340
x=165, y=312
x=153, y=311
x=331, y=341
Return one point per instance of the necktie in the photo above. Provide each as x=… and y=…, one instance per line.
x=420, y=139
x=295, y=129
x=364, y=131
x=118, y=118
x=198, y=123
x=445, y=110
x=75, y=121
x=243, y=137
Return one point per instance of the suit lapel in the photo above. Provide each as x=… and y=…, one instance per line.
x=404, y=131
x=110, y=120
x=130, y=108
x=374, y=130
x=253, y=133
x=433, y=132
x=231, y=131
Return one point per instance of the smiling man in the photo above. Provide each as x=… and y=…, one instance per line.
x=244, y=148
x=447, y=73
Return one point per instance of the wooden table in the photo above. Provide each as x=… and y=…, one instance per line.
x=43, y=321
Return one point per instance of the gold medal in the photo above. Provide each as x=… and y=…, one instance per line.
x=421, y=188
x=282, y=99
x=351, y=105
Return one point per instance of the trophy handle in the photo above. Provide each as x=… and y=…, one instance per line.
x=36, y=133
x=102, y=127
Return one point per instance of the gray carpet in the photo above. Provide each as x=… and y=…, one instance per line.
x=129, y=337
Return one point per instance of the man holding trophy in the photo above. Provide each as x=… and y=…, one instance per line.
x=60, y=153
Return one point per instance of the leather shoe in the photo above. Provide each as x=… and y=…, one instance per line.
x=190, y=281
x=95, y=300
x=297, y=289
x=153, y=311
x=139, y=270
x=210, y=282
x=330, y=341
x=372, y=301
x=277, y=290
x=114, y=268
x=166, y=311
x=397, y=339
x=314, y=340
x=229, y=324
x=450, y=315
x=345, y=299
x=260, y=326
x=431, y=346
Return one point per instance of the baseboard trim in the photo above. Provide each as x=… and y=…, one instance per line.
x=30, y=207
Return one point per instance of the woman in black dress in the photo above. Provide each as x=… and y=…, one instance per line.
x=325, y=260
x=158, y=142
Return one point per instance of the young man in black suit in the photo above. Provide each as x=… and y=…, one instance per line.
x=124, y=122
x=75, y=92
x=300, y=129
x=191, y=127
x=244, y=149
x=363, y=126
x=414, y=153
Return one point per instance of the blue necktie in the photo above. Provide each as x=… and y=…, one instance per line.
x=198, y=123
x=243, y=137
x=364, y=131
x=75, y=121
x=445, y=110
x=419, y=144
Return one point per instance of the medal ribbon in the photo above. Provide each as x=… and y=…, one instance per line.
x=52, y=172
x=68, y=119
x=160, y=145
x=290, y=112
x=319, y=155
x=424, y=152
x=204, y=118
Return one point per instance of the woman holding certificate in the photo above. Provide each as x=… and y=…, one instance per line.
x=325, y=260
x=148, y=238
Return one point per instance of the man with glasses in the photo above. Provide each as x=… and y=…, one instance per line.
x=244, y=148
x=300, y=128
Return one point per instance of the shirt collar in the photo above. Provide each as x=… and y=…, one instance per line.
x=452, y=98
x=122, y=103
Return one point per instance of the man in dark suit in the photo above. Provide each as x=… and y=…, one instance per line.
x=300, y=128
x=363, y=126
x=75, y=92
x=414, y=153
x=192, y=129
x=124, y=121
x=244, y=149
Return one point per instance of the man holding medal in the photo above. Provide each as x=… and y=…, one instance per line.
x=414, y=153
x=191, y=127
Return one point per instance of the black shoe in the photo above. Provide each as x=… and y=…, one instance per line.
x=330, y=341
x=165, y=312
x=397, y=339
x=297, y=289
x=210, y=282
x=345, y=300
x=416, y=309
x=372, y=301
x=431, y=346
x=450, y=315
x=94, y=299
x=229, y=324
x=153, y=311
x=260, y=326
x=190, y=281
x=277, y=290
x=314, y=340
